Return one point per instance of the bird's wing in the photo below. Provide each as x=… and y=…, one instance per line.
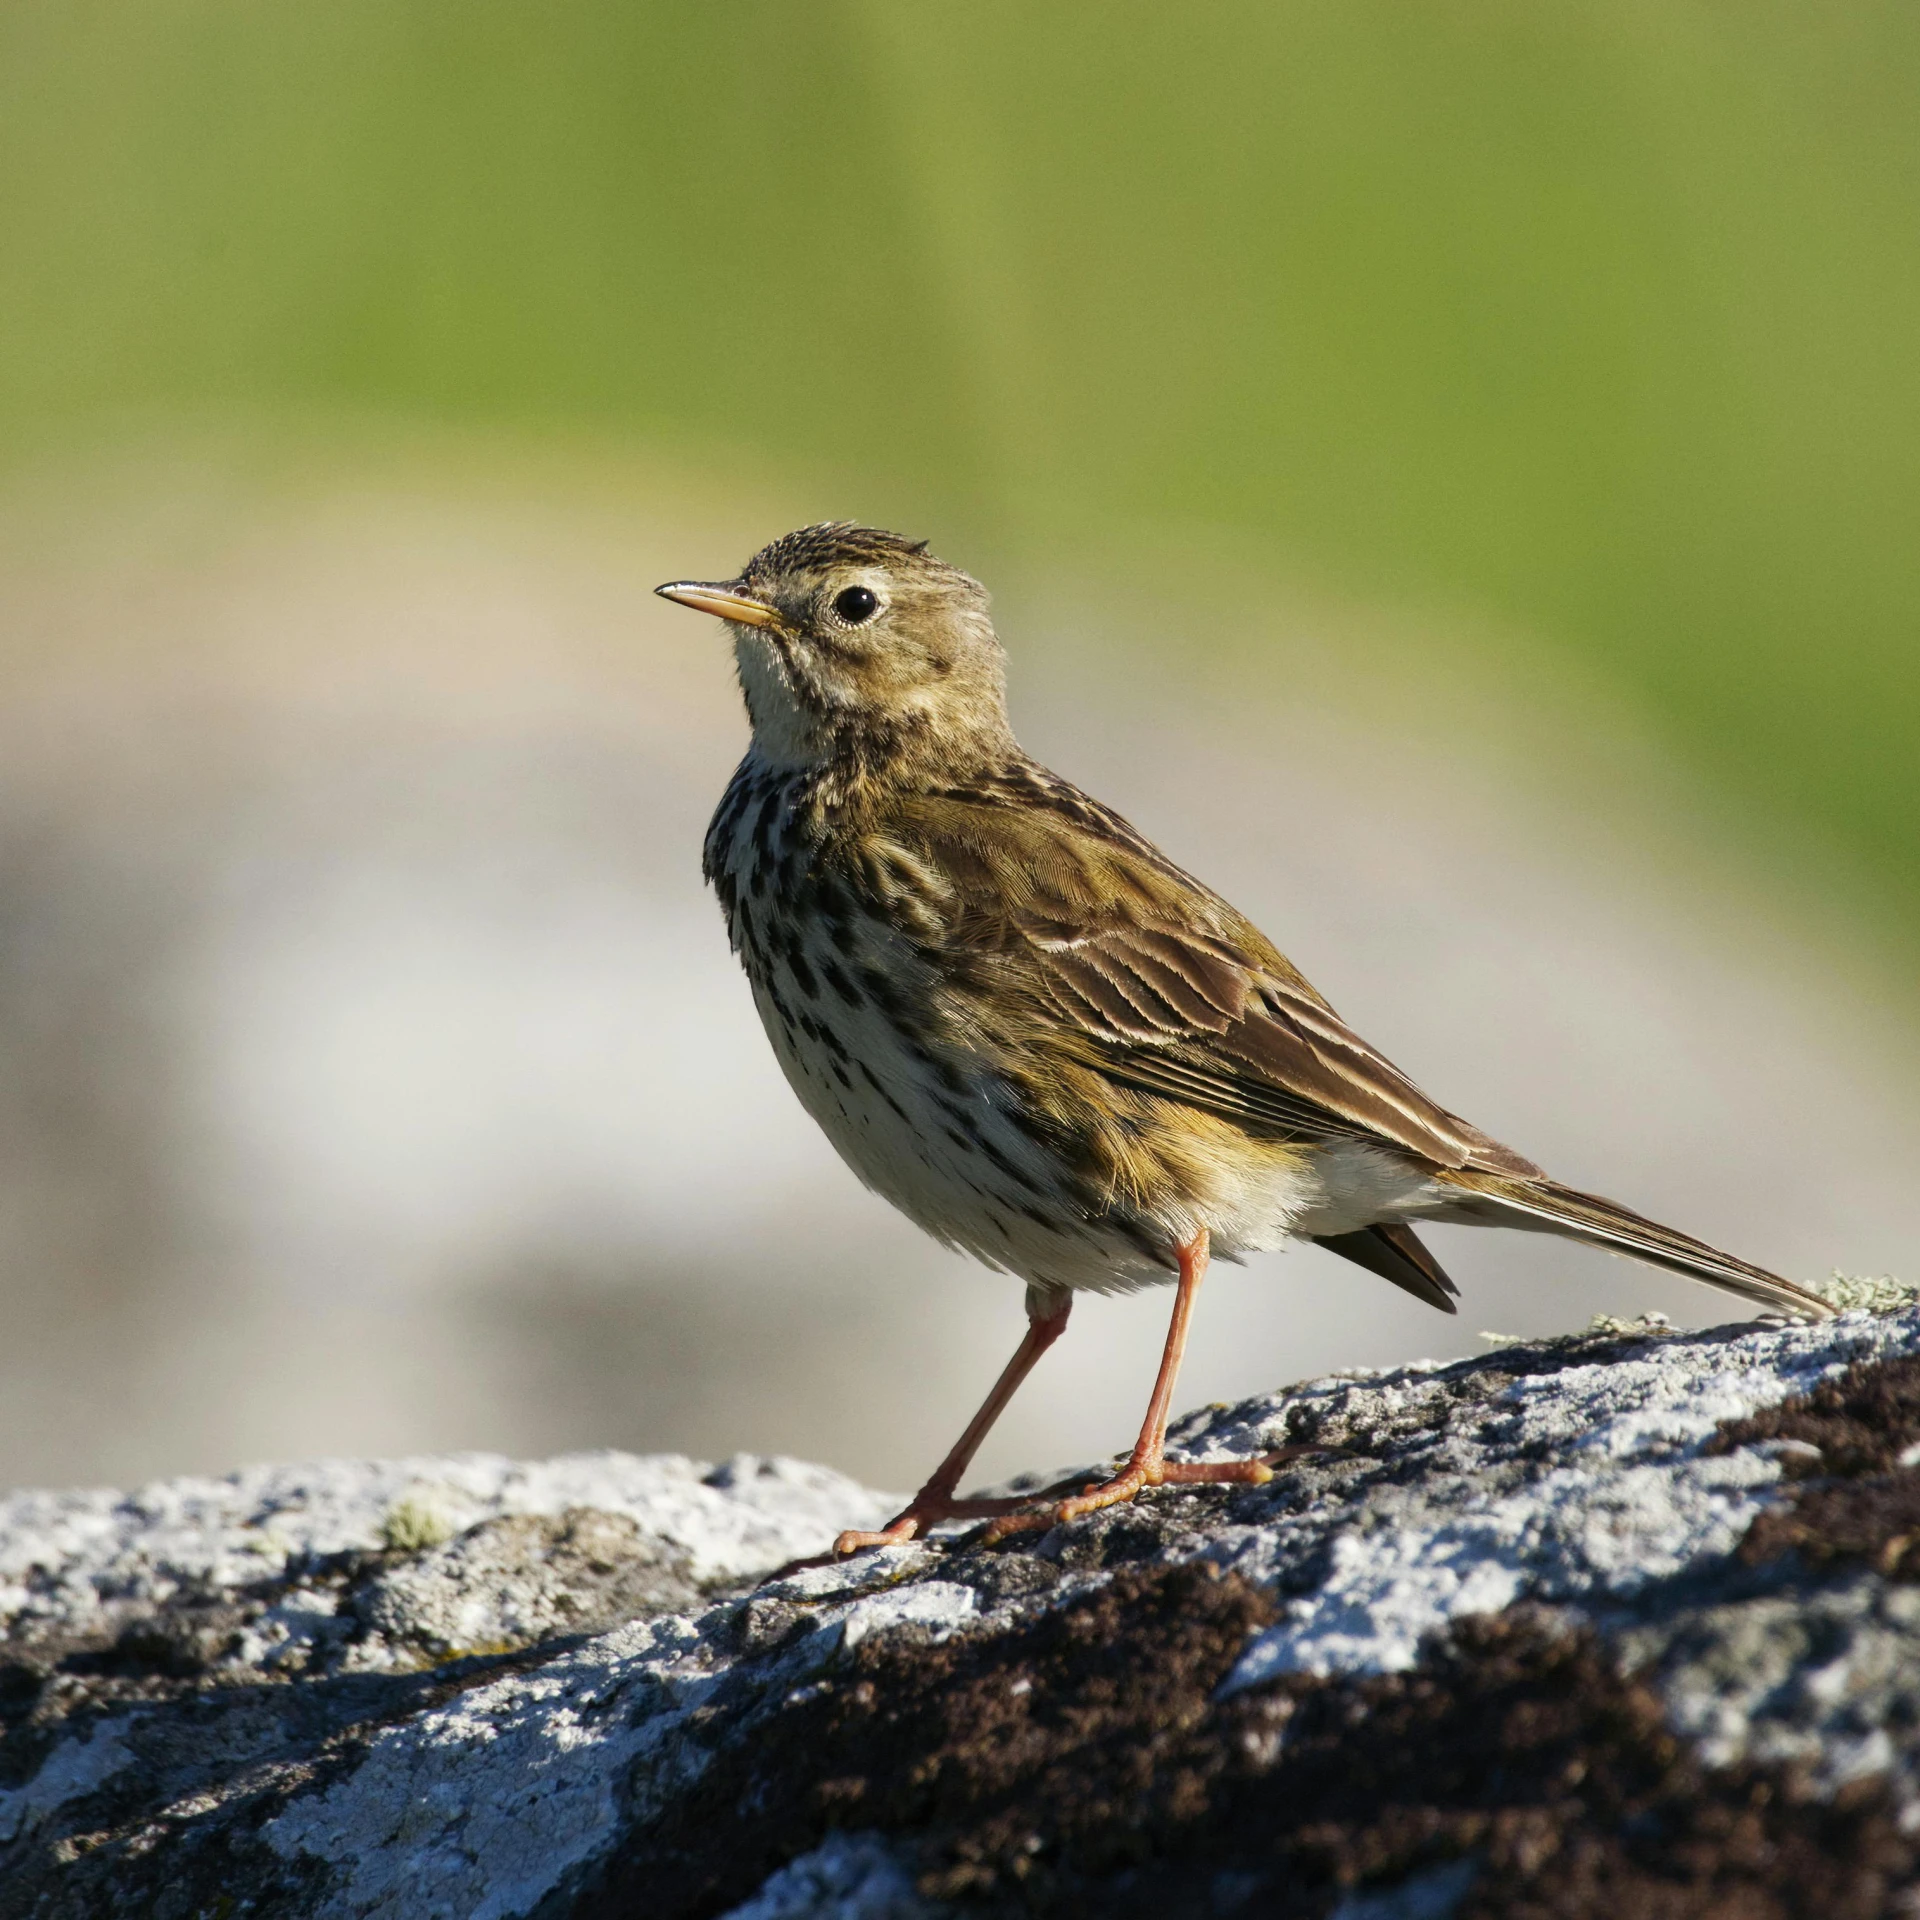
x=1137, y=969
x=1196, y=1018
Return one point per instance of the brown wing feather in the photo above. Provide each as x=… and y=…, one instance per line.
x=1157, y=982
x=1398, y=1254
x=1606, y=1223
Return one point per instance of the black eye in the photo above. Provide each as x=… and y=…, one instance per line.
x=855, y=604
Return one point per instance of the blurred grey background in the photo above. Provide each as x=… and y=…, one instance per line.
x=1451, y=484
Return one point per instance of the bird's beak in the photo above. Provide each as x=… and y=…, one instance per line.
x=723, y=602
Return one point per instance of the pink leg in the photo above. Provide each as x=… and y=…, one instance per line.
x=1148, y=1467
x=935, y=1502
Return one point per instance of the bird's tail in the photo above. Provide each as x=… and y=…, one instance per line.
x=1512, y=1201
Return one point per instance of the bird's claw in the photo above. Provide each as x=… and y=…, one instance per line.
x=1133, y=1480
x=925, y=1510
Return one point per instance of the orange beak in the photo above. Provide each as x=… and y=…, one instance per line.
x=723, y=602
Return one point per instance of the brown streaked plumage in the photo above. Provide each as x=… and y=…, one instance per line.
x=1032, y=1032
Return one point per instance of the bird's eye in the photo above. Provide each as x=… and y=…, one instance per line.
x=856, y=604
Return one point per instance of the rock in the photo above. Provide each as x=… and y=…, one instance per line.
x=1620, y=1624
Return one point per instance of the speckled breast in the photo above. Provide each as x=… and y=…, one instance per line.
x=854, y=1000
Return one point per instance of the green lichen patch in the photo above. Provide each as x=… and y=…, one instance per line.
x=1875, y=1293
x=417, y=1522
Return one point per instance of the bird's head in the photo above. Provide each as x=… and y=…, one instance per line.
x=854, y=644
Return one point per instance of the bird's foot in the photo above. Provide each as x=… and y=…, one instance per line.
x=1138, y=1475
x=927, y=1509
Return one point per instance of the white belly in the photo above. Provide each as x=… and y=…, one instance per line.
x=953, y=1159
x=942, y=1146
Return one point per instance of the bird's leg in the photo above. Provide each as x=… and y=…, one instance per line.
x=1147, y=1467
x=935, y=1501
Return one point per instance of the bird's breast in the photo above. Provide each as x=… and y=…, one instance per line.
x=938, y=1096
x=869, y=1027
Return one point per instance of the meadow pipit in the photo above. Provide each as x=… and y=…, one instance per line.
x=1025, y=1026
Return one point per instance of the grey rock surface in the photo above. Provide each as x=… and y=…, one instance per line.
x=469, y=1687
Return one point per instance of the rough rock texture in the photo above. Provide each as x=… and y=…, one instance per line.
x=1627, y=1623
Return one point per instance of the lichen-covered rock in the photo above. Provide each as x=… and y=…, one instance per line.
x=1621, y=1624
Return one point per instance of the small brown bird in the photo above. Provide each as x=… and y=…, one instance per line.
x=1025, y=1026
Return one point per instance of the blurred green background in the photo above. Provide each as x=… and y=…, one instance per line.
x=1449, y=470
x=1595, y=322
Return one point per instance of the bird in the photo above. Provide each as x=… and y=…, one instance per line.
x=1049, y=1046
